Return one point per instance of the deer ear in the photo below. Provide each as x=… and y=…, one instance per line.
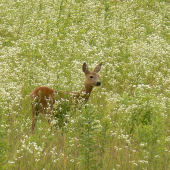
x=85, y=68
x=98, y=67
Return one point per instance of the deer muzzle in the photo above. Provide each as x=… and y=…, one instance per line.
x=99, y=83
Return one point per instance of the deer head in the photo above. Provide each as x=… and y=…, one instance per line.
x=92, y=78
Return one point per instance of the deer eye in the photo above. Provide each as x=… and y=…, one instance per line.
x=91, y=77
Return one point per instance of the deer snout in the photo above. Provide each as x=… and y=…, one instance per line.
x=99, y=83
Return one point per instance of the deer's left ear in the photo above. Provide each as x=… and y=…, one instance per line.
x=98, y=67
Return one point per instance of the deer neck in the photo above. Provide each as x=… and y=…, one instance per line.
x=83, y=95
x=86, y=91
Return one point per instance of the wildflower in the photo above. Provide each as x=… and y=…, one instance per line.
x=11, y=162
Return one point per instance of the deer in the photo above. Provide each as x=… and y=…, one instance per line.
x=43, y=99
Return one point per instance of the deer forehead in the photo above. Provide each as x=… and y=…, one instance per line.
x=92, y=74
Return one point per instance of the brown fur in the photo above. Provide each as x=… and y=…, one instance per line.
x=43, y=98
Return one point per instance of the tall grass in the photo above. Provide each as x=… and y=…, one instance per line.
x=126, y=122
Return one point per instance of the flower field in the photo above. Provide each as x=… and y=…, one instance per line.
x=126, y=122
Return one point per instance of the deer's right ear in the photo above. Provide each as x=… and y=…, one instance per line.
x=85, y=68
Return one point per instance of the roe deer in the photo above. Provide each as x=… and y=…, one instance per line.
x=44, y=98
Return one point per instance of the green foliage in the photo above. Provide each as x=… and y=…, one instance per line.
x=92, y=135
x=125, y=124
x=62, y=108
x=3, y=143
x=144, y=122
x=144, y=108
x=88, y=146
x=3, y=148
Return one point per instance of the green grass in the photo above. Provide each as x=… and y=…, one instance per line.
x=125, y=124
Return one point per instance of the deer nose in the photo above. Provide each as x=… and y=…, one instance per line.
x=98, y=83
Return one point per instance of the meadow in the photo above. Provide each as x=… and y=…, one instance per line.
x=126, y=122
